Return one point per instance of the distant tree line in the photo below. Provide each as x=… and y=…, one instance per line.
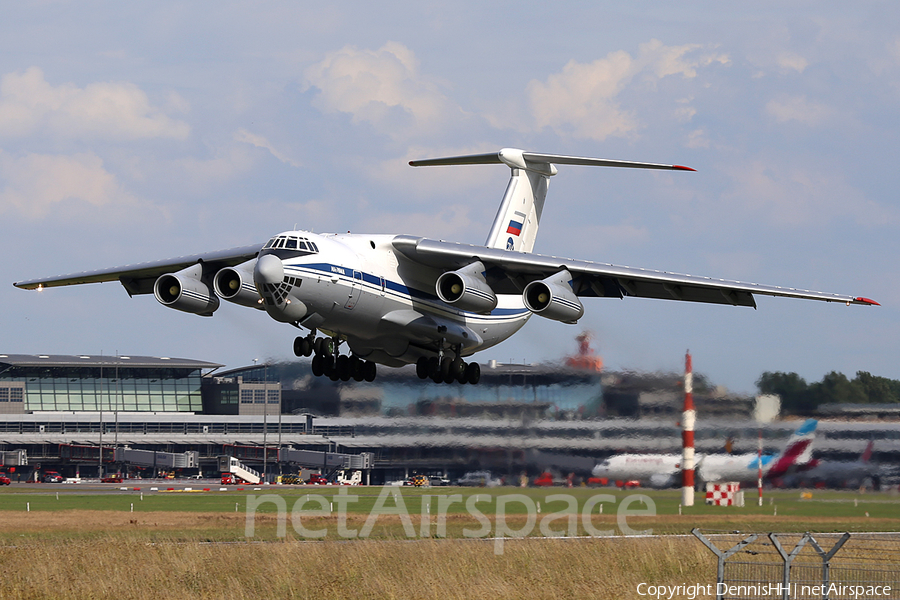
x=800, y=397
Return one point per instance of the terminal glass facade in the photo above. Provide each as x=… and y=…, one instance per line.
x=107, y=388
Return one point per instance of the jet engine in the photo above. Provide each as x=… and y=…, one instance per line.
x=235, y=284
x=187, y=290
x=467, y=289
x=553, y=298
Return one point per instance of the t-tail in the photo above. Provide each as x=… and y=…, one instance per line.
x=516, y=224
x=797, y=454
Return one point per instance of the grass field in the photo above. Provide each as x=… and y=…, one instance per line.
x=166, y=545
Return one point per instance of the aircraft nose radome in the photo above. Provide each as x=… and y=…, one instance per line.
x=268, y=269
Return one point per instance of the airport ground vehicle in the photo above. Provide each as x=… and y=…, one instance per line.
x=4, y=480
x=418, y=481
x=544, y=480
x=231, y=479
x=479, y=478
x=52, y=477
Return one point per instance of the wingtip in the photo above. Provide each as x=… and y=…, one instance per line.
x=868, y=301
x=682, y=168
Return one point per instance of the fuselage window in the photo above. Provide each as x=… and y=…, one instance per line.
x=291, y=243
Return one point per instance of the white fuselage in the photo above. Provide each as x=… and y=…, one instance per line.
x=662, y=469
x=358, y=287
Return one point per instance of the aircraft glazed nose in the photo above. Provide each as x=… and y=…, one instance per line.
x=268, y=269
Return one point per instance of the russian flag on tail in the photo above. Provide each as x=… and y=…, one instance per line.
x=515, y=224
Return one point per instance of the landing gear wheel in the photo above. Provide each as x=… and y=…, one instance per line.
x=302, y=346
x=447, y=370
x=434, y=367
x=446, y=362
x=317, y=366
x=369, y=371
x=459, y=370
x=317, y=346
x=422, y=367
x=473, y=373
x=342, y=366
x=434, y=371
x=327, y=346
x=356, y=368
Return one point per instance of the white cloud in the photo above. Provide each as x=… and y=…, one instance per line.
x=380, y=87
x=118, y=111
x=35, y=184
x=800, y=109
x=788, y=61
x=583, y=99
x=260, y=142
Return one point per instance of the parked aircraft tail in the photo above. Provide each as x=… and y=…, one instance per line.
x=867, y=453
x=516, y=223
x=797, y=454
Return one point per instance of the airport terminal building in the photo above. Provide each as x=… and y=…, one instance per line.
x=66, y=412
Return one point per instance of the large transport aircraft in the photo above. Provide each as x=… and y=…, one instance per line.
x=664, y=470
x=400, y=299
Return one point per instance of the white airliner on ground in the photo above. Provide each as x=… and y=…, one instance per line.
x=664, y=470
x=400, y=299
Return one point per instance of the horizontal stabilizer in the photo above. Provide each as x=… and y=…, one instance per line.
x=534, y=160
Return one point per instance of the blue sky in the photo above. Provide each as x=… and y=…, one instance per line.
x=132, y=132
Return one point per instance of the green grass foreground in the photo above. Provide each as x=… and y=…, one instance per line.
x=175, y=544
x=453, y=512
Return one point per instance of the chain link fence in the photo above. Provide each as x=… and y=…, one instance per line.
x=820, y=566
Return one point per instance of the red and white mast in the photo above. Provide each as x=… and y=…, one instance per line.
x=687, y=435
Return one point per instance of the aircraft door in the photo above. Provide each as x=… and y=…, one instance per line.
x=355, y=289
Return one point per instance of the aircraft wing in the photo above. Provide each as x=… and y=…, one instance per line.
x=139, y=278
x=508, y=272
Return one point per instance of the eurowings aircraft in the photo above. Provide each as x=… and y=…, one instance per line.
x=664, y=470
x=400, y=299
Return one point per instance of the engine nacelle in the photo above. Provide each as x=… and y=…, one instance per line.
x=553, y=298
x=235, y=284
x=467, y=289
x=187, y=291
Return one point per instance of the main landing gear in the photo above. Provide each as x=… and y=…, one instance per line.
x=447, y=370
x=328, y=361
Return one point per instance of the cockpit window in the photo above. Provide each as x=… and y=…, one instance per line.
x=291, y=243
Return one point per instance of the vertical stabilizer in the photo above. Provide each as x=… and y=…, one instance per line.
x=516, y=224
x=798, y=451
